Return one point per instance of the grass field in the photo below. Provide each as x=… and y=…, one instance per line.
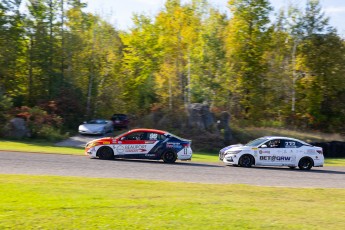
x=49, y=202
x=50, y=148
x=41, y=147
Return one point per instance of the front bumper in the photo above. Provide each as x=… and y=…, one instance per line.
x=231, y=159
x=91, y=152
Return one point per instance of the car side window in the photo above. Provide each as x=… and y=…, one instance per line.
x=292, y=144
x=135, y=136
x=161, y=137
x=152, y=136
x=155, y=136
x=277, y=143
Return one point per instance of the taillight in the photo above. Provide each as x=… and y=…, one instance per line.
x=186, y=145
x=319, y=151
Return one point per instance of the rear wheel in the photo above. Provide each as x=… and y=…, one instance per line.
x=105, y=153
x=246, y=161
x=305, y=164
x=169, y=157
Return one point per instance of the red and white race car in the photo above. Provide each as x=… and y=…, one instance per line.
x=141, y=144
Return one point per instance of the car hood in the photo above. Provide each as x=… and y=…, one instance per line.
x=241, y=147
x=230, y=147
x=92, y=127
x=103, y=140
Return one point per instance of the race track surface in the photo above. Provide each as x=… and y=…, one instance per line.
x=217, y=173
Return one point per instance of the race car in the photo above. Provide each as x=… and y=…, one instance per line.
x=150, y=144
x=273, y=151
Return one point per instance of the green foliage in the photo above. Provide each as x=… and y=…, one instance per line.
x=5, y=106
x=324, y=80
x=287, y=72
x=247, y=41
x=40, y=123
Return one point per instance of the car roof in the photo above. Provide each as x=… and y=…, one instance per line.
x=148, y=130
x=281, y=137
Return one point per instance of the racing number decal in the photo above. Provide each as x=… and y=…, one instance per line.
x=290, y=144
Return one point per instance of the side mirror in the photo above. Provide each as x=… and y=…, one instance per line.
x=123, y=138
x=263, y=146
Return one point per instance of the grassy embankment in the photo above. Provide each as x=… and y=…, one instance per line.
x=50, y=202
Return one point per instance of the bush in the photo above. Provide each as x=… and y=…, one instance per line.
x=41, y=124
x=51, y=134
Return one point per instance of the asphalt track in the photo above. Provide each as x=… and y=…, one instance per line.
x=208, y=173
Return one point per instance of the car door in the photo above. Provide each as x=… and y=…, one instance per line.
x=291, y=148
x=132, y=145
x=269, y=151
x=154, y=142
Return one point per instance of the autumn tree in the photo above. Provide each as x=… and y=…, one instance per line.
x=248, y=37
x=142, y=59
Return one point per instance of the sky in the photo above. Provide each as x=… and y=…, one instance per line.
x=119, y=12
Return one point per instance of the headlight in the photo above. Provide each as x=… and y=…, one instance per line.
x=233, y=152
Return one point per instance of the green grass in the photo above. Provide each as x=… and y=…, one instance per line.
x=51, y=202
x=42, y=147
x=50, y=148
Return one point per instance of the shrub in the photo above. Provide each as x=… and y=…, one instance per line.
x=42, y=125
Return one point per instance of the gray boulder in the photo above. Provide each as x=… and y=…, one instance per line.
x=17, y=128
x=200, y=117
x=223, y=124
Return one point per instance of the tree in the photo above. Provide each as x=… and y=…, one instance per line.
x=142, y=58
x=12, y=46
x=322, y=60
x=209, y=62
x=179, y=38
x=248, y=38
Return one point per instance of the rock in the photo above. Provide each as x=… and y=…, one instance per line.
x=199, y=116
x=17, y=128
x=223, y=124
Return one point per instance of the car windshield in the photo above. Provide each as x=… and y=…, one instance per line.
x=256, y=142
x=97, y=122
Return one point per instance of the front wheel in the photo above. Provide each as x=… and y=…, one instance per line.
x=169, y=157
x=105, y=153
x=246, y=161
x=305, y=164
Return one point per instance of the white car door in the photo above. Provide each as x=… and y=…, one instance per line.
x=290, y=153
x=269, y=151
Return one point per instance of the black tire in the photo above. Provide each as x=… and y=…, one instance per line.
x=246, y=161
x=105, y=153
x=169, y=157
x=305, y=164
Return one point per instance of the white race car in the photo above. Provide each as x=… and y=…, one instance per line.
x=274, y=151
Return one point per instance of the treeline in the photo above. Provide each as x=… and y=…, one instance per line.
x=285, y=72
